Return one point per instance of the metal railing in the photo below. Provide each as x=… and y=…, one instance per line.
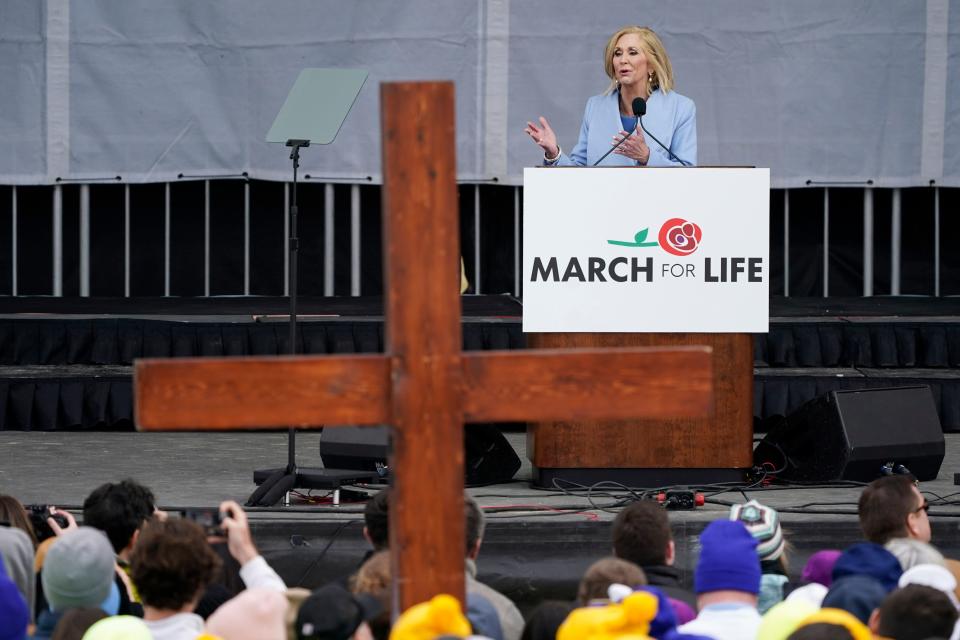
x=481, y=213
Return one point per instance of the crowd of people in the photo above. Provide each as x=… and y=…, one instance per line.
x=133, y=572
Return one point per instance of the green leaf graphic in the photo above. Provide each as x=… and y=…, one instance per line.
x=639, y=240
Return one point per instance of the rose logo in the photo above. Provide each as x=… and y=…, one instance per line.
x=680, y=237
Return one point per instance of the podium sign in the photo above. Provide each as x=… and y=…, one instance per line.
x=646, y=250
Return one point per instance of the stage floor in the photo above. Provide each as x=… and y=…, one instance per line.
x=537, y=544
x=201, y=469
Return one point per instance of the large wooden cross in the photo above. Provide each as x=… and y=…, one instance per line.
x=423, y=385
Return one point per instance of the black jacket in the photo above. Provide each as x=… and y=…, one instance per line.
x=667, y=579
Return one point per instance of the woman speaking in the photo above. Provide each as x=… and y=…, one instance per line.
x=638, y=67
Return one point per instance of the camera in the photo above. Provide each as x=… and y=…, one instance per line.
x=38, y=514
x=208, y=519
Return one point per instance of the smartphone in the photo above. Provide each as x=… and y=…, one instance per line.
x=208, y=519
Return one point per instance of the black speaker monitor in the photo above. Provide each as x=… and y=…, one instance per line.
x=488, y=458
x=362, y=448
x=851, y=435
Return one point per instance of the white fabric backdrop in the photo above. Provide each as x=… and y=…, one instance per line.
x=22, y=139
x=815, y=90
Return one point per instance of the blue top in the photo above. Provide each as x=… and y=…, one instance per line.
x=671, y=117
x=629, y=122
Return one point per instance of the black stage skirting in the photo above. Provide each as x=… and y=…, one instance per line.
x=779, y=392
x=85, y=397
x=64, y=362
x=66, y=397
x=121, y=341
x=877, y=343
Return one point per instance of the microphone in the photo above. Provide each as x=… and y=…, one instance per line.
x=640, y=110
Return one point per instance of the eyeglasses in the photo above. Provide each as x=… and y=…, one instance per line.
x=924, y=507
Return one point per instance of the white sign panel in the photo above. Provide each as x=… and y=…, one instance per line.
x=646, y=250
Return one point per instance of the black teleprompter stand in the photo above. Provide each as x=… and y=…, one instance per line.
x=312, y=113
x=276, y=484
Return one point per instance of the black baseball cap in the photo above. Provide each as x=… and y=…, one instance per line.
x=333, y=613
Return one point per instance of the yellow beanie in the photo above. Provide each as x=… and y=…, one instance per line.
x=441, y=616
x=841, y=618
x=629, y=619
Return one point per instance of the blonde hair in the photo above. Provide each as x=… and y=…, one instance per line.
x=653, y=50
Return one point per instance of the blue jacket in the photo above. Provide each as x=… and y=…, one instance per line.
x=671, y=117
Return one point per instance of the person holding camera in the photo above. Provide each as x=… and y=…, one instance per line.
x=172, y=563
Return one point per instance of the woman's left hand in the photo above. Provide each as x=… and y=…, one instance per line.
x=635, y=147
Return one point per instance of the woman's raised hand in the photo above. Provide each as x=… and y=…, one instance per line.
x=635, y=147
x=544, y=137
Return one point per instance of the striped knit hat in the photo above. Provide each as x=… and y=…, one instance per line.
x=763, y=523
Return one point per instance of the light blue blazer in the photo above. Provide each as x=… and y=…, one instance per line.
x=671, y=117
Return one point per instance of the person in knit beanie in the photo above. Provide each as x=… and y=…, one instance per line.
x=118, y=628
x=726, y=581
x=862, y=576
x=817, y=576
x=784, y=618
x=763, y=523
x=14, y=616
x=439, y=616
x=664, y=621
x=833, y=617
x=819, y=567
x=333, y=613
x=255, y=614
x=869, y=559
x=858, y=595
x=77, y=572
x=629, y=618
x=16, y=556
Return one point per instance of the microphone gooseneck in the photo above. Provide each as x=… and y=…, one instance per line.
x=640, y=109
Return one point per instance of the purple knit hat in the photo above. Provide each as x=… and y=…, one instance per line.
x=819, y=567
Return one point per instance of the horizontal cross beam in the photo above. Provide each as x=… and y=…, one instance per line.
x=174, y=394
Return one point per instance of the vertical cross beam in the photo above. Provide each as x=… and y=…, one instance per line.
x=423, y=340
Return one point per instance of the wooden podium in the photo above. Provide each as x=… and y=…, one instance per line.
x=647, y=452
x=641, y=257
